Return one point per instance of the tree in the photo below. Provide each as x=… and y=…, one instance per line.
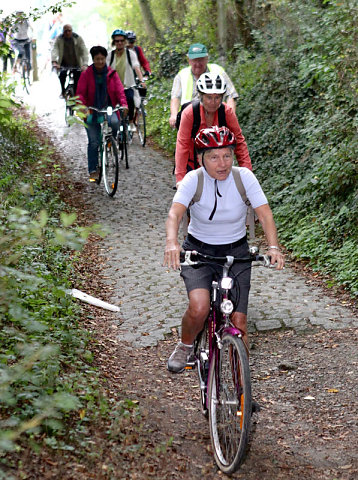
x=149, y=22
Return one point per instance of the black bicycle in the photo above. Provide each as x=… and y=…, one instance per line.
x=222, y=363
x=69, y=92
x=25, y=66
x=124, y=138
x=140, y=114
x=107, y=152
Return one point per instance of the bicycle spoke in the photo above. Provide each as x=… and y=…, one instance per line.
x=230, y=404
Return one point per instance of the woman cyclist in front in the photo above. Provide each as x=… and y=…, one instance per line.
x=217, y=227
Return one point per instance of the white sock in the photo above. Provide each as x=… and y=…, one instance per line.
x=186, y=345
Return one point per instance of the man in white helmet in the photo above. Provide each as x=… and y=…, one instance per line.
x=184, y=84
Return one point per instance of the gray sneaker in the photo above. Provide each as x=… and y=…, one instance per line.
x=179, y=358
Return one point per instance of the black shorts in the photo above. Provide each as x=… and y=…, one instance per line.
x=201, y=276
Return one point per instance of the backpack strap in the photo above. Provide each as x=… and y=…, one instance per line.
x=197, y=119
x=112, y=57
x=222, y=116
x=199, y=188
x=129, y=58
x=240, y=186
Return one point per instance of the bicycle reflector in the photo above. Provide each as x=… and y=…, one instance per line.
x=226, y=306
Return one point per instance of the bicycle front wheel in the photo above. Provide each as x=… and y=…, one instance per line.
x=110, y=166
x=230, y=403
x=141, y=126
x=201, y=349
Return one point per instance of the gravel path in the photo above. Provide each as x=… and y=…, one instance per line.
x=152, y=300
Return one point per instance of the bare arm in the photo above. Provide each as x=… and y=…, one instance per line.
x=231, y=103
x=172, y=247
x=174, y=109
x=265, y=216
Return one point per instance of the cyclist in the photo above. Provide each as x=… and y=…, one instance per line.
x=125, y=62
x=99, y=86
x=131, y=39
x=184, y=88
x=217, y=228
x=21, y=38
x=69, y=51
x=211, y=88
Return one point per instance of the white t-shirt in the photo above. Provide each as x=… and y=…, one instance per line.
x=229, y=221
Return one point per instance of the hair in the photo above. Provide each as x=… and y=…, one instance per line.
x=98, y=50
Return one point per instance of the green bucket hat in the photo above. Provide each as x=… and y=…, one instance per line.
x=197, y=50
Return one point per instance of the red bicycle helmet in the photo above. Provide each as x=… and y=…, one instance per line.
x=214, y=137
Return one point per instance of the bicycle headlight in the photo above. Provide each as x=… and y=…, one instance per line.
x=226, y=306
x=109, y=111
x=226, y=283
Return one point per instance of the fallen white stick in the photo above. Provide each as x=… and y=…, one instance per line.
x=92, y=300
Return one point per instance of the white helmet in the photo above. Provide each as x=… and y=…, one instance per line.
x=211, y=83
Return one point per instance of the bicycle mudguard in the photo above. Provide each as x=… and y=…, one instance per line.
x=233, y=331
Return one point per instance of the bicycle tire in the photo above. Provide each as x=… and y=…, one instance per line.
x=230, y=403
x=110, y=166
x=201, y=351
x=26, y=76
x=122, y=141
x=68, y=108
x=100, y=162
x=141, y=125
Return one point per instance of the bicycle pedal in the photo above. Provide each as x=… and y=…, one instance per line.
x=190, y=365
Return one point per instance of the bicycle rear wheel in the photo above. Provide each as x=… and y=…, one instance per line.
x=110, y=166
x=230, y=403
x=201, y=350
x=68, y=105
x=122, y=141
x=26, y=76
x=141, y=126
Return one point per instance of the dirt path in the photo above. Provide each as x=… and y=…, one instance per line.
x=303, y=347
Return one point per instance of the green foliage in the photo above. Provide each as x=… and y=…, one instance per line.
x=298, y=98
x=45, y=364
x=298, y=89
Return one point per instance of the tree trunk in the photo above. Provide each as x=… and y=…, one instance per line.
x=222, y=30
x=149, y=22
x=243, y=21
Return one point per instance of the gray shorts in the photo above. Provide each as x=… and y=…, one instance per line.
x=201, y=276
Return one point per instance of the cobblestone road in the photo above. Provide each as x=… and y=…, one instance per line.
x=152, y=298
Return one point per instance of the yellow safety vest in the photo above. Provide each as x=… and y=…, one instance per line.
x=187, y=81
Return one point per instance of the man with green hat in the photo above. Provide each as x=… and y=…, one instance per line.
x=184, y=85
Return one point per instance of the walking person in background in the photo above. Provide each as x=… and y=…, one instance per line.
x=4, y=44
x=184, y=84
x=131, y=39
x=69, y=51
x=126, y=64
x=99, y=86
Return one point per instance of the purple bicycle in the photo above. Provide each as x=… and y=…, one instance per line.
x=222, y=363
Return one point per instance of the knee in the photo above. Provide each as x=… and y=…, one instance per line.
x=198, y=310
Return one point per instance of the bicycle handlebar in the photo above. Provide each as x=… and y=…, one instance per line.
x=185, y=259
x=108, y=110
